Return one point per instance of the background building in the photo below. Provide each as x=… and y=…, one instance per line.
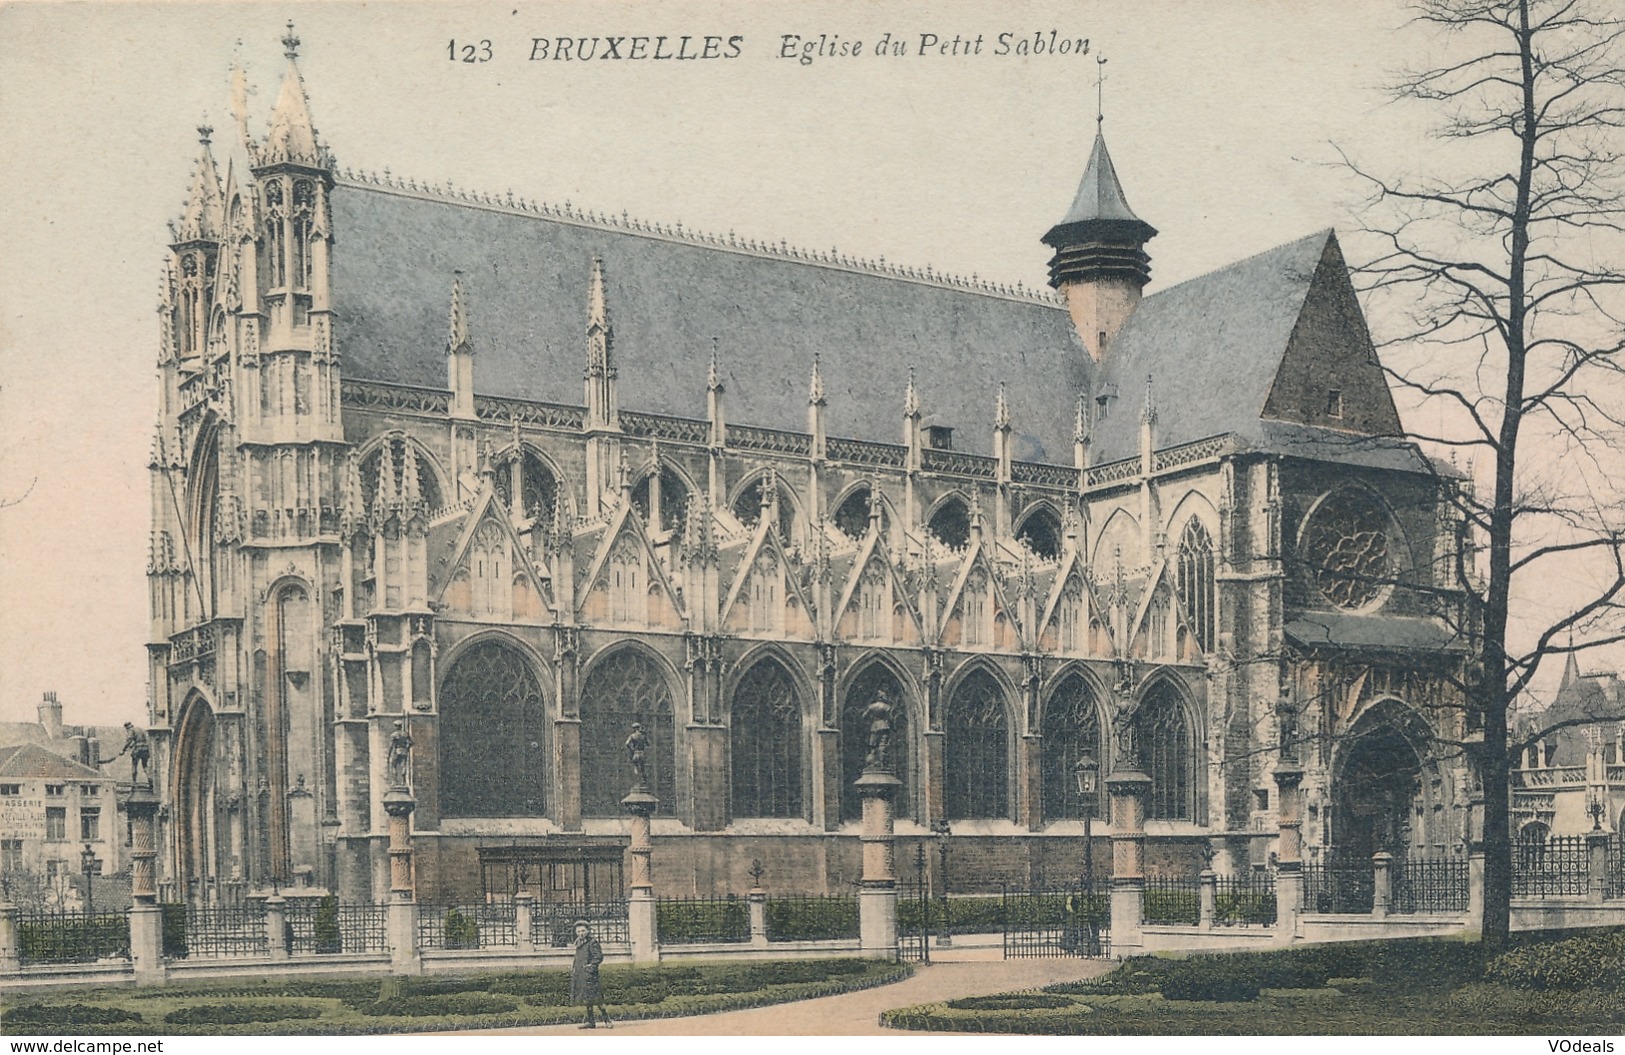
x=1042, y=524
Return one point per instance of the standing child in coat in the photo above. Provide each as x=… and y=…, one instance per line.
x=584, y=985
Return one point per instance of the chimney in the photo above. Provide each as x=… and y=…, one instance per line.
x=50, y=716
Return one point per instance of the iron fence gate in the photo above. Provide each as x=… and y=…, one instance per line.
x=1072, y=920
x=914, y=914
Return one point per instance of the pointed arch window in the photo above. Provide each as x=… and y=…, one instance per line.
x=1071, y=727
x=875, y=679
x=626, y=687
x=1163, y=735
x=302, y=220
x=662, y=501
x=527, y=487
x=1193, y=578
x=765, y=742
x=748, y=507
x=1041, y=533
x=276, y=257
x=976, y=771
x=950, y=524
x=493, y=729
x=852, y=516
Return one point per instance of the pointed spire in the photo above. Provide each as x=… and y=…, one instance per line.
x=599, y=333
x=1100, y=195
x=1080, y=422
x=713, y=375
x=815, y=389
x=351, y=513
x=411, y=497
x=292, y=137
x=1571, y=667
x=1001, y=410
x=457, y=338
x=205, y=207
x=384, y=497
x=1148, y=409
x=911, y=398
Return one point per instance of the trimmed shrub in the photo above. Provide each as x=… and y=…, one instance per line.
x=442, y=1004
x=238, y=1014
x=328, y=938
x=460, y=931
x=1575, y=963
x=67, y=1015
x=1010, y=1002
x=174, y=917
x=1482, y=1000
x=1201, y=980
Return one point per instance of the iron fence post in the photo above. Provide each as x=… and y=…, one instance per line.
x=1382, y=878
x=1207, y=898
x=1596, y=865
x=8, y=936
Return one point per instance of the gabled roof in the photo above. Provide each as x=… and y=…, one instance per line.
x=31, y=761
x=526, y=279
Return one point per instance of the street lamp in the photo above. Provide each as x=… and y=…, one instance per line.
x=87, y=865
x=941, y=830
x=1086, y=771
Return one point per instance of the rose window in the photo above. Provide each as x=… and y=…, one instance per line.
x=1349, y=551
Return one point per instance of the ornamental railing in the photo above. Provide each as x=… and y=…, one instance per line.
x=215, y=932
x=326, y=928
x=776, y=441
x=702, y=920
x=72, y=937
x=826, y=918
x=1245, y=900
x=466, y=926
x=666, y=427
x=552, y=924
x=866, y=452
x=958, y=463
x=1556, y=867
x=1428, y=885
x=1345, y=887
x=1172, y=900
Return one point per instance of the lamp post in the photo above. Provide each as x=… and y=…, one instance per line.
x=87, y=865
x=941, y=830
x=1086, y=771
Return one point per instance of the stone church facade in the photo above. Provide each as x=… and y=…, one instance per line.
x=1044, y=524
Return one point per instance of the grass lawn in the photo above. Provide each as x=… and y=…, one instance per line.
x=1418, y=987
x=340, y=1006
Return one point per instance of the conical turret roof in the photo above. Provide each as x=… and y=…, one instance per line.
x=292, y=137
x=1100, y=210
x=205, y=209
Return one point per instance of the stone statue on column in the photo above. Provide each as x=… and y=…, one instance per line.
x=1123, y=711
x=400, y=756
x=1286, y=727
x=637, y=752
x=879, y=715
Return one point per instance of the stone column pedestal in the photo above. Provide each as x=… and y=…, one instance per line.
x=276, y=926
x=877, y=894
x=642, y=923
x=1128, y=789
x=1382, y=883
x=1289, y=848
x=146, y=918
x=403, y=910
x=8, y=937
x=756, y=902
x=524, y=915
x=1596, y=866
x=1475, y=887
x=1207, y=898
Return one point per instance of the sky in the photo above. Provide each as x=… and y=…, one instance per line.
x=1220, y=115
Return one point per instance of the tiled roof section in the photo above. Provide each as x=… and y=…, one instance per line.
x=1211, y=346
x=32, y=762
x=772, y=309
x=1100, y=195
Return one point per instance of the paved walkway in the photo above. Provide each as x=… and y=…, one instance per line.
x=858, y=1014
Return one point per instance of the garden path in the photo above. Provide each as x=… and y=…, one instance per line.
x=858, y=1014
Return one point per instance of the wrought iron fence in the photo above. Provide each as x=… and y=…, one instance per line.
x=1172, y=900
x=823, y=918
x=1338, y=886
x=1071, y=920
x=1556, y=867
x=466, y=926
x=702, y=920
x=327, y=927
x=71, y=937
x=552, y=923
x=215, y=932
x=1428, y=885
x=1245, y=900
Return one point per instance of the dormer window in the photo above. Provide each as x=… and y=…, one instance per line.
x=1334, y=403
x=939, y=437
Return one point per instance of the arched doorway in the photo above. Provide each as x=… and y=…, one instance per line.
x=1377, y=783
x=192, y=781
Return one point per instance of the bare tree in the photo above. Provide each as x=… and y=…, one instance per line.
x=1498, y=275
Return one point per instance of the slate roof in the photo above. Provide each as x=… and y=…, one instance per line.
x=526, y=278
x=1211, y=345
x=1348, y=630
x=31, y=761
x=1100, y=196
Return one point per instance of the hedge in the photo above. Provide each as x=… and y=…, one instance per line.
x=442, y=1004
x=67, y=1015
x=238, y=1014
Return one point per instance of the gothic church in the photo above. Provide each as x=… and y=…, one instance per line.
x=1045, y=523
